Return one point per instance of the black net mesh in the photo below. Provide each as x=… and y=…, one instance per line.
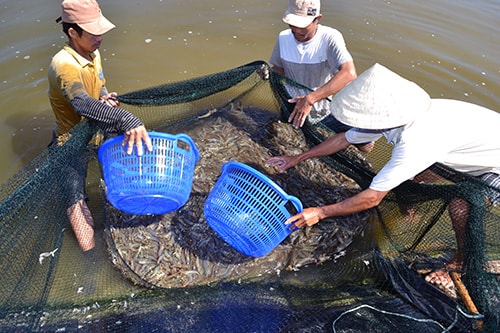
x=172, y=273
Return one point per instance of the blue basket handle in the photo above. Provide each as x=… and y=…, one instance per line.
x=289, y=198
x=296, y=203
x=242, y=166
x=191, y=143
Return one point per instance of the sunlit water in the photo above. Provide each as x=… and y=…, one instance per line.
x=448, y=47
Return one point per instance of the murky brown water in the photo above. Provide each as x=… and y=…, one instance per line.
x=449, y=47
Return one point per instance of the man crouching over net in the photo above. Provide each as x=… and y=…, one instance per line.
x=423, y=131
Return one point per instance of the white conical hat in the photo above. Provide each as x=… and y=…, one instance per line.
x=379, y=99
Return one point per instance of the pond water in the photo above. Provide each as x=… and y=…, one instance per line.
x=449, y=47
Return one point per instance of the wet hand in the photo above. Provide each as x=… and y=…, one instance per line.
x=300, y=112
x=111, y=99
x=263, y=72
x=308, y=217
x=282, y=163
x=137, y=136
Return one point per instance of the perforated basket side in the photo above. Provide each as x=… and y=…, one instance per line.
x=248, y=210
x=157, y=182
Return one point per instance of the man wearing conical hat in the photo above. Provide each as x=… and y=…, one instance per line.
x=76, y=91
x=380, y=103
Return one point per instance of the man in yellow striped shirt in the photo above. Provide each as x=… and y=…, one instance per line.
x=77, y=90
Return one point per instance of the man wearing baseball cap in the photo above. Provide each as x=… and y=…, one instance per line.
x=77, y=91
x=315, y=56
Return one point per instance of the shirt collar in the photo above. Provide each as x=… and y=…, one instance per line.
x=81, y=60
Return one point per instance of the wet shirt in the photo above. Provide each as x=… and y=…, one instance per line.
x=71, y=74
x=75, y=85
x=460, y=135
x=312, y=63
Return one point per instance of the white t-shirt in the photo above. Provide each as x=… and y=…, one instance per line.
x=312, y=63
x=461, y=135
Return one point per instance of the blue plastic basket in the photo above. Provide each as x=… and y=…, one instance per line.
x=157, y=182
x=248, y=210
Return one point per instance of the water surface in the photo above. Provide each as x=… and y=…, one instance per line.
x=448, y=47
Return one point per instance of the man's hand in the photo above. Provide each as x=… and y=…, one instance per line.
x=308, y=217
x=137, y=136
x=282, y=163
x=302, y=109
x=111, y=99
x=263, y=72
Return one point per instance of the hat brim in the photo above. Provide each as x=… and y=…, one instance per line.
x=379, y=99
x=297, y=21
x=98, y=27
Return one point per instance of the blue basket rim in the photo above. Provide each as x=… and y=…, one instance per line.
x=238, y=165
x=152, y=134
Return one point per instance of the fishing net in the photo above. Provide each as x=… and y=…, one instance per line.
x=173, y=273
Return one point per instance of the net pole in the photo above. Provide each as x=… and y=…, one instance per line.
x=464, y=295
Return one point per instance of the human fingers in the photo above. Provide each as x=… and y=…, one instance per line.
x=110, y=99
x=275, y=161
x=292, y=115
x=112, y=102
x=138, y=136
x=128, y=141
x=298, y=116
x=280, y=163
x=145, y=138
x=263, y=72
x=113, y=97
x=295, y=222
x=138, y=144
x=301, y=115
x=308, y=217
x=299, y=119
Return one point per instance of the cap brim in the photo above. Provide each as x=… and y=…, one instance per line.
x=99, y=27
x=298, y=21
